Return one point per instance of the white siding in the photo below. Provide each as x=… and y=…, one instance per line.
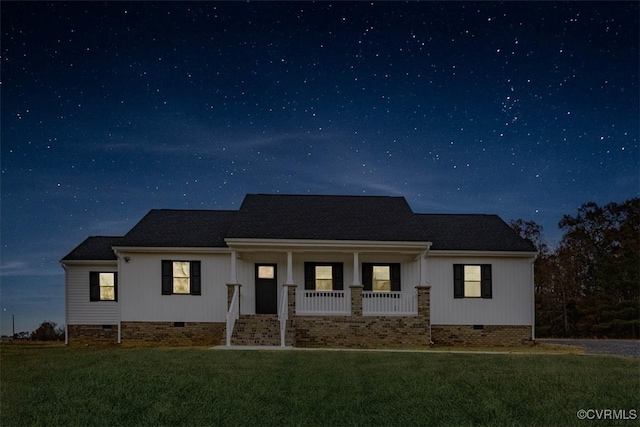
x=140, y=288
x=511, y=287
x=81, y=311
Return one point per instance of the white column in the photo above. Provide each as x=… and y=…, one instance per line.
x=234, y=273
x=289, y=268
x=356, y=269
x=423, y=269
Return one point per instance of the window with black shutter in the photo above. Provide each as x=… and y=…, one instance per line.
x=381, y=277
x=103, y=286
x=181, y=278
x=472, y=281
x=323, y=276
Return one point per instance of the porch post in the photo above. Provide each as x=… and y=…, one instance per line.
x=289, y=269
x=356, y=300
x=424, y=310
x=234, y=272
x=356, y=269
x=423, y=269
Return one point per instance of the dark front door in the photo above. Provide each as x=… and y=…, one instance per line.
x=266, y=289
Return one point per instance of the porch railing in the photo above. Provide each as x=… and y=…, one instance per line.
x=283, y=314
x=233, y=314
x=389, y=303
x=323, y=303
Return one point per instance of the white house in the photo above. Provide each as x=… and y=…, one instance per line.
x=303, y=270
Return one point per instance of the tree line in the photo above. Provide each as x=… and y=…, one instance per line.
x=589, y=284
x=47, y=331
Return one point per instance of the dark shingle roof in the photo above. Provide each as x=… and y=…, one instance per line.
x=470, y=232
x=371, y=218
x=180, y=228
x=367, y=218
x=95, y=248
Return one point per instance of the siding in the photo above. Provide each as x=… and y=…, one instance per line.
x=140, y=289
x=512, y=293
x=81, y=311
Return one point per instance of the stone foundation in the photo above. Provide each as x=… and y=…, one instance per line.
x=485, y=335
x=92, y=335
x=173, y=333
x=360, y=332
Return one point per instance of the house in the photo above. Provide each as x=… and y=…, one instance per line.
x=303, y=270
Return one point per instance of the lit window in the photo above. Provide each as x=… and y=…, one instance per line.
x=472, y=281
x=381, y=278
x=181, y=277
x=107, y=287
x=103, y=286
x=324, y=278
x=266, y=272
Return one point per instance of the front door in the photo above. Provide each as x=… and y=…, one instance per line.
x=266, y=289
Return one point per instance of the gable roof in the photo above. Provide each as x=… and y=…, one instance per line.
x=470, y=233
x=180, y=228
x=371, y=218
x=309, y=217
x=94, y=248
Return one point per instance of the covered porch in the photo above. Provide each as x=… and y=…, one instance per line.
x=315, y=306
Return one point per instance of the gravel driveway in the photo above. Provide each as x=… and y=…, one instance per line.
x=626, y=348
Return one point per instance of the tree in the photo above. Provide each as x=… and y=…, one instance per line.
x=47, y=331
x=604, y=243
x=589, y=285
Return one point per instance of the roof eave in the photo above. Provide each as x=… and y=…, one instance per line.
x=79, y=262
x=314, y=245
x=174, y=249
x=482, y=253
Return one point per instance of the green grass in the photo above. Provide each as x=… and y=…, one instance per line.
x=45, y=385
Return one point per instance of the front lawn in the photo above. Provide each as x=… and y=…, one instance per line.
x=44, y=385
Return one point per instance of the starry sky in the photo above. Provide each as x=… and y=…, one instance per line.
x=109, y=109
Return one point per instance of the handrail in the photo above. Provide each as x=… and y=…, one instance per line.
x=324, y=303
x=233, y=314
x=283, y=314
x=389, y=303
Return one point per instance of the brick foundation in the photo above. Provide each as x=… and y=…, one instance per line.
x=93, y=335
x=489, y=335
x=361, y=332
x=167, y=334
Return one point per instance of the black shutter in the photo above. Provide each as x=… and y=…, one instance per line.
x=367, y=276
x=115, y=286
x=338, y=281
x=309, y=276
x=167, y=277
x=458, y=280
x=94, y=286
x=485, y=276
x=195, y=278
x=395, y=277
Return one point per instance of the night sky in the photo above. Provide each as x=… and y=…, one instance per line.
x=522, y=109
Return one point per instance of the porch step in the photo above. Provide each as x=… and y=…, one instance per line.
x=257, y=329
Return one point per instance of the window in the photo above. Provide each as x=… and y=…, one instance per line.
x=472, y=281
x=323, y=276
x=103, y=286
x=381, y=277
x=181, y=277
x=266, y=272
